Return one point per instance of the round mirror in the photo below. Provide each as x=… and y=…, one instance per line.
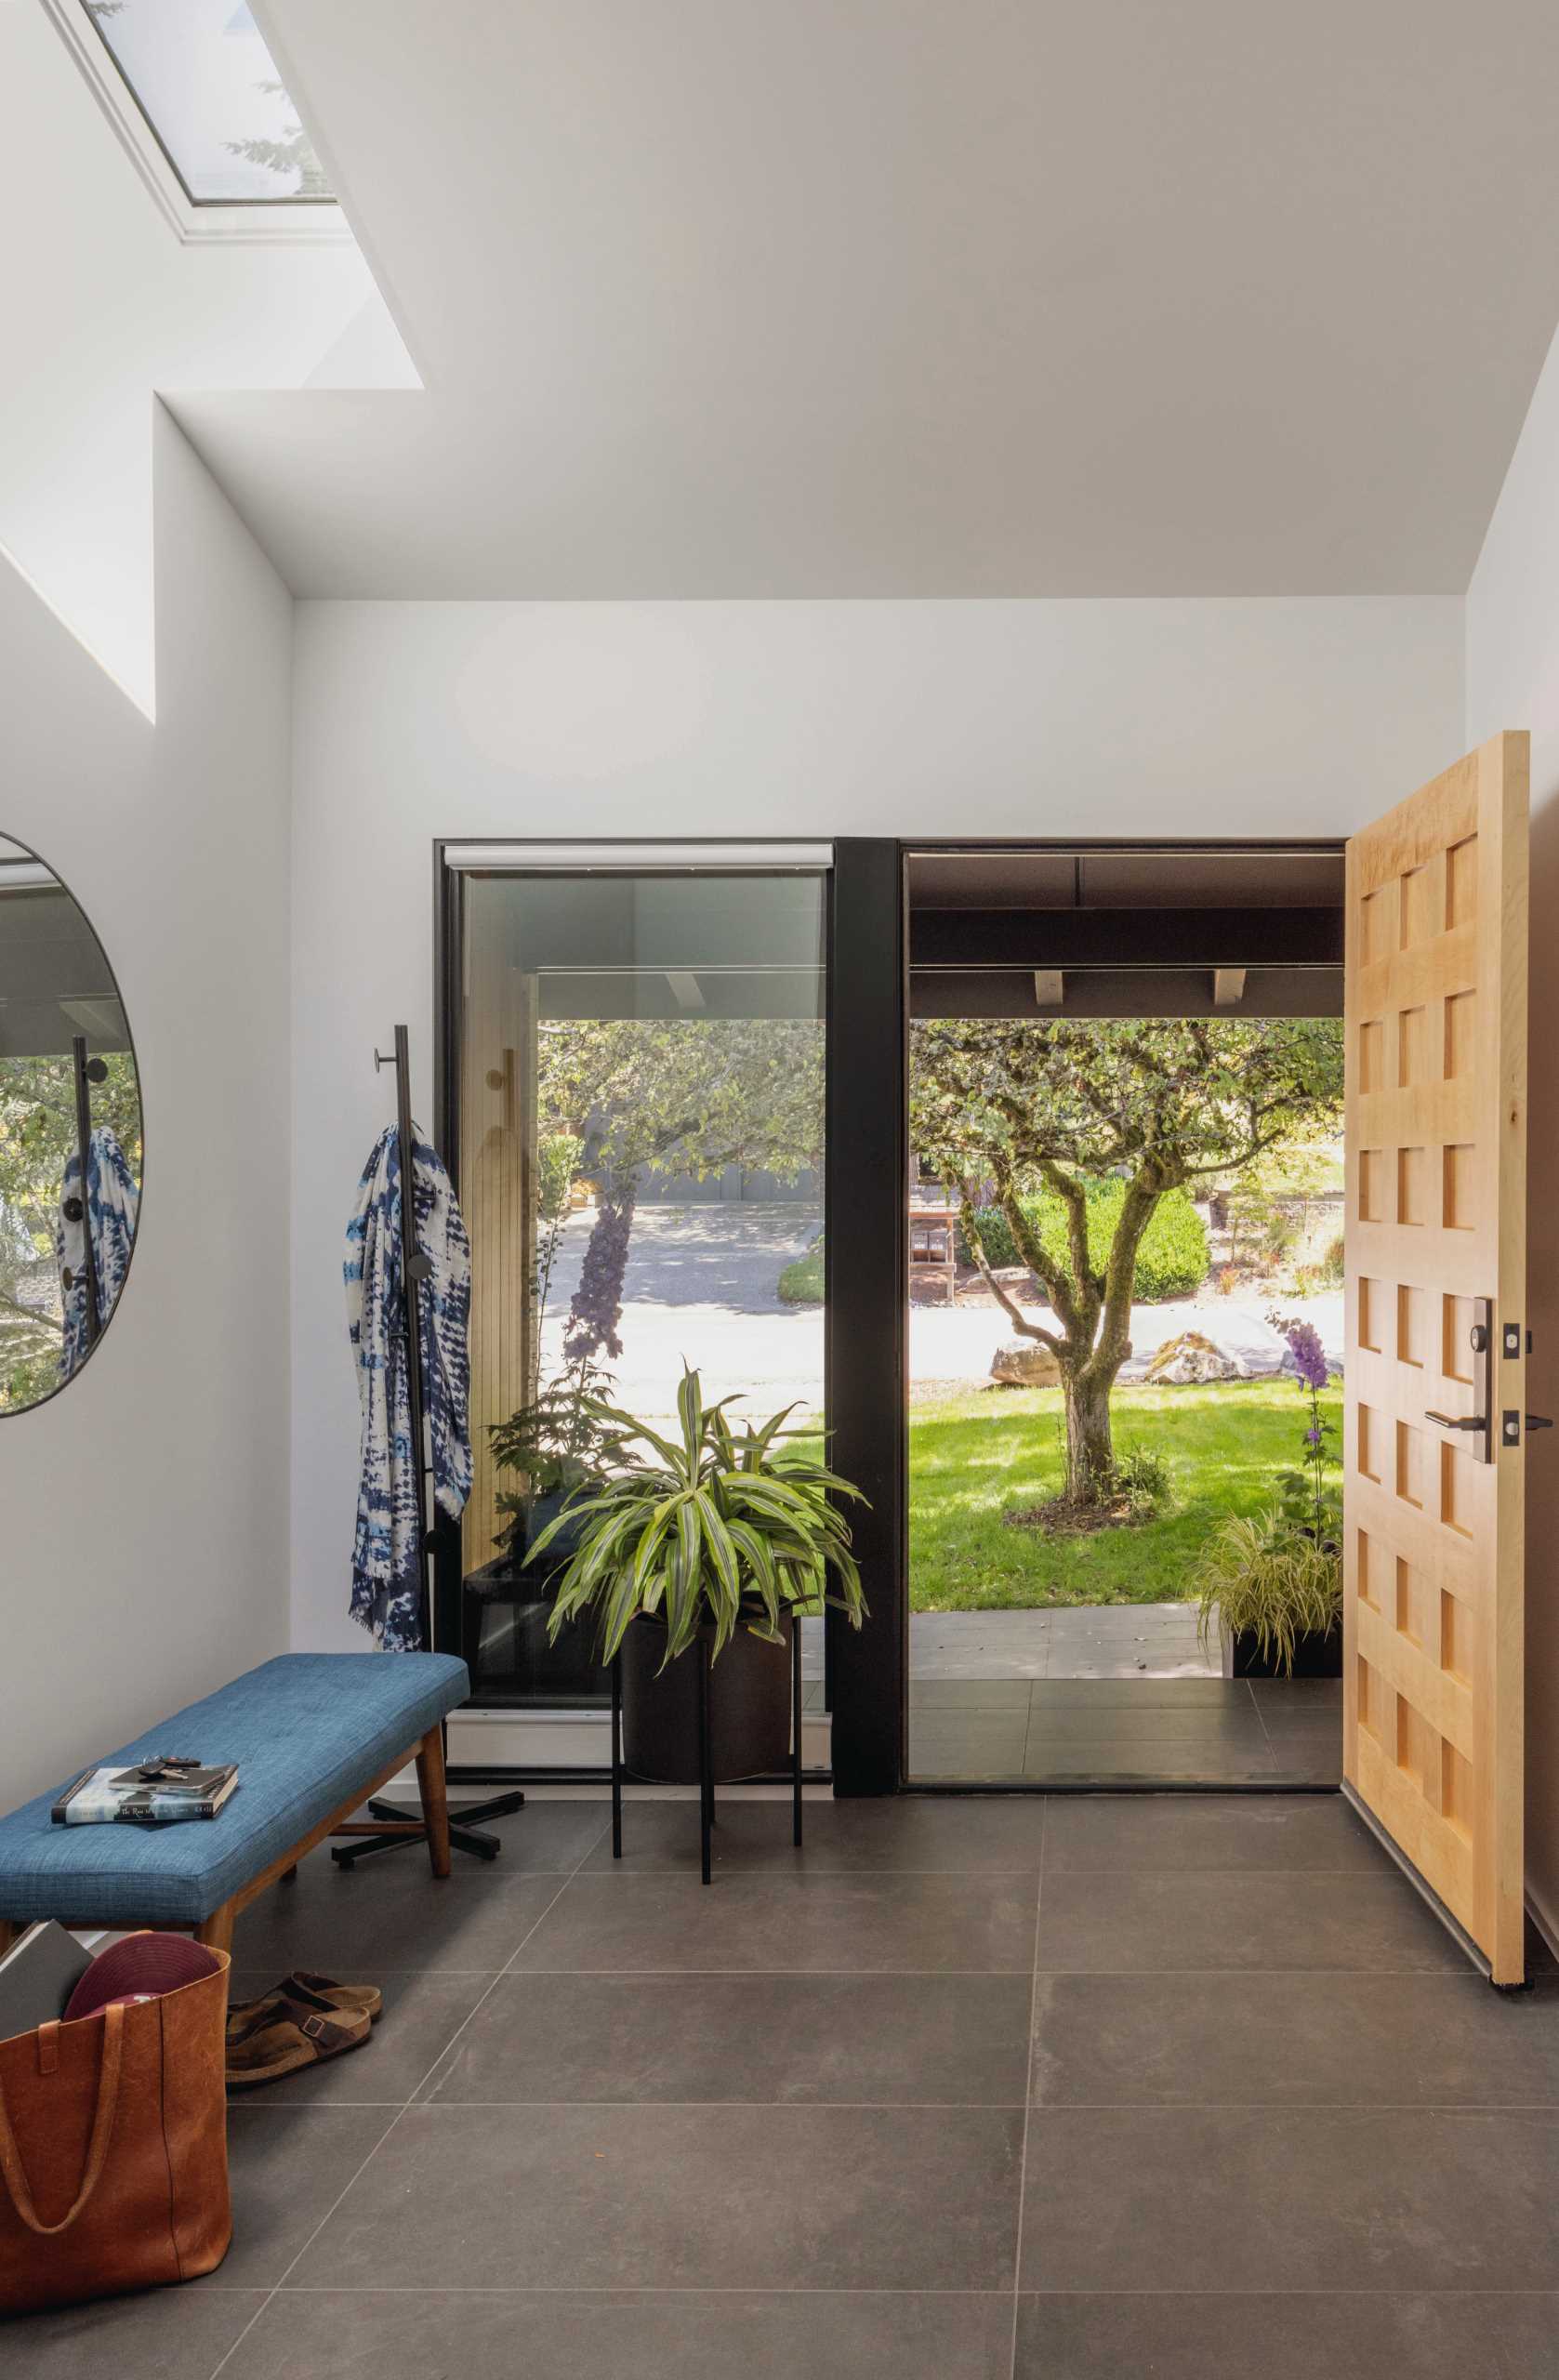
x=69, y=1134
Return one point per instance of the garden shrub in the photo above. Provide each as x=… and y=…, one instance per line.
x=1171, y=1261
x=802, y=1282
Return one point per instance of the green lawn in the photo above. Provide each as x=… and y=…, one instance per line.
x=973, y=1457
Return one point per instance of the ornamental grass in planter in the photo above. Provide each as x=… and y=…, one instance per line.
x=719, y=1533
x=1274, y=1581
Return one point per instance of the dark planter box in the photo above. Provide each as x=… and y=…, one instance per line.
x=1315, y=1655
x=749, y=1707
x=506, y=1609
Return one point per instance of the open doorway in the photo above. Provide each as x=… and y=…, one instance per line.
x=1126, y=1325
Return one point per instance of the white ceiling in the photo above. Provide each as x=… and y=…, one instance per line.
x=918, y=296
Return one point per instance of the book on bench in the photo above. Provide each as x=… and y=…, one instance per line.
x=131, y=1797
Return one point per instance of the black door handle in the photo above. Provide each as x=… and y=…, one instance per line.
x=1539, y=1421
x=1450, y=1422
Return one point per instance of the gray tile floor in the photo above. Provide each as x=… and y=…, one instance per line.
x=969, y=2089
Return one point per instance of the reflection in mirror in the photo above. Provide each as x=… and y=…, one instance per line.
x=69, y=1109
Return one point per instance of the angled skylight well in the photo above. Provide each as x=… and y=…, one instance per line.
x=202, y=76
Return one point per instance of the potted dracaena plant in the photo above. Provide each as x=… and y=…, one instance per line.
x=1272, y=1581
x=719, y=1532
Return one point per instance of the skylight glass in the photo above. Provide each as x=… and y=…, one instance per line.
x=201, y=74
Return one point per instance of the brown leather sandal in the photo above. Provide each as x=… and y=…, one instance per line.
x=355, y=1999
x=303, y=1990
x=279, y=2042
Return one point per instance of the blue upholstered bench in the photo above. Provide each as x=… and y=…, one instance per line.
x=313, y=1734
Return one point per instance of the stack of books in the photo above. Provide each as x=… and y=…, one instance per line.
x=155, y=1792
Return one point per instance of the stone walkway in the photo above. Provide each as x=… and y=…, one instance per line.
x=1155, y=1640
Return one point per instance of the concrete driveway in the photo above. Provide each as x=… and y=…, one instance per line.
x=701, y=1285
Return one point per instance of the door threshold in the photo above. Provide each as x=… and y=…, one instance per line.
x=1428, y=1895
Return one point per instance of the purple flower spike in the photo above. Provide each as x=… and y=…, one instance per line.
x=598, y=1301
x=1310, y=1359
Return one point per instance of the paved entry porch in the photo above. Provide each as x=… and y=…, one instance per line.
x=1120, y=1693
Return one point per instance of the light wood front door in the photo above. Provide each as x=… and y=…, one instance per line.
x=1435, y=1425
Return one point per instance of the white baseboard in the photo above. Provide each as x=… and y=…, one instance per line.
x=576, y=1739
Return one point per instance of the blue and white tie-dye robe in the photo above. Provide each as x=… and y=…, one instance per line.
x=112, y=1202
x=386, y=1576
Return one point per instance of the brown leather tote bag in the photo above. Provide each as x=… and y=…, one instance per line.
x=114, y=2153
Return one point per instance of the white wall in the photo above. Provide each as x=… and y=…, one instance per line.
x=101, y=304
x=1277, y=718
x=144, y=1543
x=1512, y=681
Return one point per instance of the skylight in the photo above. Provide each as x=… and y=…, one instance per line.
x=202, y=76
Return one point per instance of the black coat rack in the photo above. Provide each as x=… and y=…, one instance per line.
x=394, y=1827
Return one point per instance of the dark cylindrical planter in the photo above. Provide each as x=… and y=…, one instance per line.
x=749, y=1707
x=1315, y=1654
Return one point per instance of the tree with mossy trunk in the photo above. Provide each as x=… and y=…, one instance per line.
x=1016, y=1107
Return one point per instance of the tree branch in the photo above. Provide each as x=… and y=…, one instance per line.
x=1075, y=1199
x=999, y=1289
x=1072, y=1313
x=1114, y=1342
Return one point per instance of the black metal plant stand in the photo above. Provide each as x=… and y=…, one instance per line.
x=705, y=1753
x=395, y=1828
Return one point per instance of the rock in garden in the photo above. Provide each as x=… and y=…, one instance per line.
x=1023, y=1362
x=1191, y=1360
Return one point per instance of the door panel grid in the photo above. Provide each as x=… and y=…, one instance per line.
x=1435, y=1009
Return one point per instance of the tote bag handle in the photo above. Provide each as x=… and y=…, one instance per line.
x=97, y=2154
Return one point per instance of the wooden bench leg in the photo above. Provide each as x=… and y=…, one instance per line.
x=215, y=1931
x=435, y=1799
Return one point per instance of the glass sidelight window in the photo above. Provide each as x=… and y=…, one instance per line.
x=635, y=1074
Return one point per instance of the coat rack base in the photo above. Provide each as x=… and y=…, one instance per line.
x=403, y=1828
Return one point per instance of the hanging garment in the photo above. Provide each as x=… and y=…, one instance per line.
x=387, y=1562
x=112, y=1202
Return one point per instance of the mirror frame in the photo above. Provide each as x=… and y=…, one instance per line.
x=26, y=851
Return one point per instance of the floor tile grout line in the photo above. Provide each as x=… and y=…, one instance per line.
x=362, y=2168
x=741, y=2107
x=1287, y=2108
x=1141, y=1974
x=790, y=2289
x=1028, y=2093
x=508, y=1966
x=1260, y=1717
x=733, y=1871
x=1443, y=2106
x=636, y=2289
